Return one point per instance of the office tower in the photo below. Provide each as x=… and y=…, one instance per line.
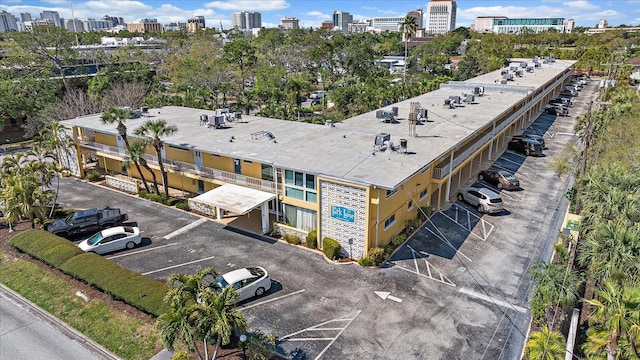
x=7, y=22
x=195, y=22
x=25, y=16
x=247, y=20
x=441, y=16
x=289, y=23
x=53, y=16
x=341, y=20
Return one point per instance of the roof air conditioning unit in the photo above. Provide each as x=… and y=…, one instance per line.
x=381, y=138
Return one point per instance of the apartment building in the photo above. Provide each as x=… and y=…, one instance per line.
x=358, y=181
x=247, y=20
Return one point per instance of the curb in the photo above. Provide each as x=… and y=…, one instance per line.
x=63, y=327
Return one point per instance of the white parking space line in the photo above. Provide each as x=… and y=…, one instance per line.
x=179, y=265
x=514, y=153
x=493, y=300
x=270, y=300
x=484, y=234
x=432, y=271
x=186, y=228
x=140, y=251
x=320, y=327
x=445, y=241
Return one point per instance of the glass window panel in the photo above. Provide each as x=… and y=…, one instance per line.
x=294, y=193
x=311, y=182
x=312, y=197
x=288, y=177
x=299, y=179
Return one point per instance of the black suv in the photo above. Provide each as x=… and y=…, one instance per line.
x=525, y=146
x=556, y=110
x=528, y=134
x=561, y=101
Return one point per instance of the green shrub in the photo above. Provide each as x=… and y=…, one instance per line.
x=293, y=239
x=93, y=176
x=122, y=284
x=426, y=210
x=397, y=240
x=414, y=223
x=183, y=205
x=388, y=249
x=364, y=261
x=48, y=248
x=181, y=355
x=172, y=201
x=376, y=255
x=312, y=239
x=330, y=248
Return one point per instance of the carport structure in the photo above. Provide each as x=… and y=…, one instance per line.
x=236, y=199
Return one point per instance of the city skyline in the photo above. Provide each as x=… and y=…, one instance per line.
x=311, y=14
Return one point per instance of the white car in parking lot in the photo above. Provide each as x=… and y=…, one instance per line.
x=112, y=239
x=249, y=282
x=484, y=199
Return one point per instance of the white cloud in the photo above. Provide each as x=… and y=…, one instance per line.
x=249, y=5
x=581, y=5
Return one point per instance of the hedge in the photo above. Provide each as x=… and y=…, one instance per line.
x=330, y=248
x=42, y=245
x=122, y=284
x=312, y=239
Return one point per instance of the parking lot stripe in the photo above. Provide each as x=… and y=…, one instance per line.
x=140, y=251
x=270, y=300
x=492, y=300
x=179, y=265
x=185, y=228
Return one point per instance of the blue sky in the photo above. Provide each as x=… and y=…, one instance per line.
x=313, y=12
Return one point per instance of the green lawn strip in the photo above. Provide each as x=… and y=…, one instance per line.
x=125, y=336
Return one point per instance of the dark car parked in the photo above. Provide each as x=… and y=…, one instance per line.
x=525, y=146
x=556, y=110
x=561, y=101
x=528, y=134
x=499, y=178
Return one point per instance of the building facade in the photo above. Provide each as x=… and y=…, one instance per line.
x=484, y=24
x=341, y=20
x=8, y=22
x=358, y=181
x=247, y=20
x=74, y=25
x=53, y=16
x=535, y=25
x=387, y=24
x=441, y=16
x=289, y=23
x=145, y=25
x=196, y=22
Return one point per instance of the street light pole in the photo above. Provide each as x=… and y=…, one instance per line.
x=243, y=344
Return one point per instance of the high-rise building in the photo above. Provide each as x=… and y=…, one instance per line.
x=53, y=16
x=418, y=14
x=195, y=22
x=341, y=20
x=327, y=25
x=289, y=23
x=75, y=25
x=246, y=20
x=441, y=16
x=7, y=22
x=25, y=16
x=115, y=20
x=145, y=25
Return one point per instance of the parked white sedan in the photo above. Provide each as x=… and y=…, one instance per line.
x=112, y=239
x=249, y=282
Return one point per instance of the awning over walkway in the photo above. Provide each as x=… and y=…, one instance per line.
x=234, y=198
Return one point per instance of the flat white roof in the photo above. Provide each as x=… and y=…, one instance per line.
x=346, y=149
x=234, y=198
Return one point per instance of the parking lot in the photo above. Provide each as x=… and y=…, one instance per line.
x=456, y=289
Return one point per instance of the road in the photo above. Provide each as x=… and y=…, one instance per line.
x=27, y=333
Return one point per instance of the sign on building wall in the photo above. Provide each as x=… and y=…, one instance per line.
x=343, y=211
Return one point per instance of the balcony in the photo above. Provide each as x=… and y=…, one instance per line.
x=179, y=166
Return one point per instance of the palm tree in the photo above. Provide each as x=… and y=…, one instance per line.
x=54, y=137
x=221, y=318
x=408, y=27
x=155, y=130
x=617, y=310
x=557, y=284
x=120, y=115
x=545, y=345
x=136, y=156
x=178, y=324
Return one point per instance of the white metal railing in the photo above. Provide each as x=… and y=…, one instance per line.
x=180, y=166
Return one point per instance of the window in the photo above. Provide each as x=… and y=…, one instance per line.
x=423, y=194
x=390, y=221
x=294, y=193
x=267, y=172
x=311, y=182
x=391, y=192
x=299, y=177
x=311, y=197
x=410, y=205
x=301, y=218
x=288, y=177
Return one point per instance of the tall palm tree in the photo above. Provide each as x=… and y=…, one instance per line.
x=54, y=137
x=120, y=115
x=617, y=310
x=545, y=345
x=221, y=318
x=136, y=156
x=155, y=130
x=408, y=26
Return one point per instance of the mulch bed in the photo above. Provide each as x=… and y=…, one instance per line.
x=230, y=352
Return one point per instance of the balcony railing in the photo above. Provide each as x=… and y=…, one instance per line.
x=180, y=166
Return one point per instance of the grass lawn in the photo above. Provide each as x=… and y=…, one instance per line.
x=123, y=335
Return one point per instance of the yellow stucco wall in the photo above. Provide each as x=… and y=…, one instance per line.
x=217, y=162
x=184, y=155
x=252, y=169
x=105, y=139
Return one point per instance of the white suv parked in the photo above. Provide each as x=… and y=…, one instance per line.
x=485, y=200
